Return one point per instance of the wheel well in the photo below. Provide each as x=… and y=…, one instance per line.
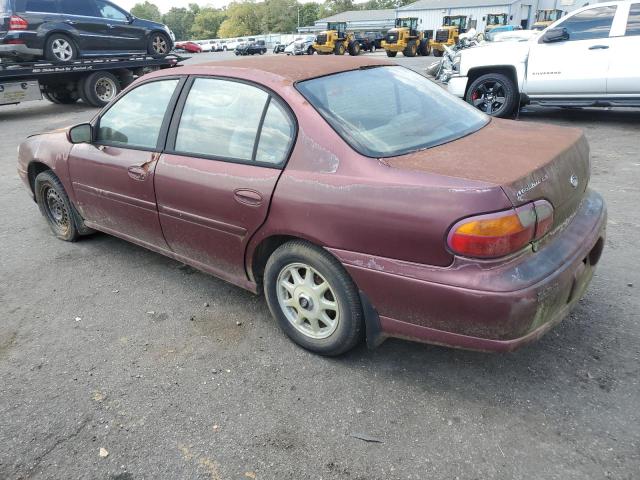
x=262, y=253
x=69, y=35
x=478, y=72
x=35, y=169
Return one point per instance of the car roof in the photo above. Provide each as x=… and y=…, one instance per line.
x=293, y=69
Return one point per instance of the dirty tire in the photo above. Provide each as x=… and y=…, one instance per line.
x=425, y=48
x=499, y=86
x=411, y=49
x=391, y=54
x=63, y=219
x=100, y=88
x=339, y=49
x=437, y=53
x=350, y=325
x=354, y=49
x=60, y=96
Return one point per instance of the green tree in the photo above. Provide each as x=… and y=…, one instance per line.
x=207, y=23
x=280, y=16
x=243, y=18
x=147, y=10
x=332, y=7
x=309, y=13
x=180, y=20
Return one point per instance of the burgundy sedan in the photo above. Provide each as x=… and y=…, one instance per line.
x=402, y=214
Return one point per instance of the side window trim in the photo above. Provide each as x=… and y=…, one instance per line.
x=172, y=134
x=164, y=129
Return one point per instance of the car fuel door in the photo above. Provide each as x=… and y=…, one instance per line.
x=214, y=183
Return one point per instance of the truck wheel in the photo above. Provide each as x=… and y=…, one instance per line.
x=159, y=45
x=391, y=54
x=424, y=49
x=339, y=50
x=411, y=49
x=60, y=48
x=494, y=94
x=313, y=298
x=354, y=49
x=437, y=53
x=60, y=96
x=100, y=88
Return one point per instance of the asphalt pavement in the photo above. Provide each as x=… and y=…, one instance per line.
x=117, y=363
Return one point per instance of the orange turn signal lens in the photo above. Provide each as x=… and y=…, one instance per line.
x=502, y=233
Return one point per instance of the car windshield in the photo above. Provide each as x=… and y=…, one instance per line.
x=408, y=112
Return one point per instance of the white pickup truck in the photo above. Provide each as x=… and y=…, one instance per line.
x=589, y=58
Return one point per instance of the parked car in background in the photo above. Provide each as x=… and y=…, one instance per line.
x=279, y=47
x=585, y=59
x=219, y=46
x=375, y=38
x=232, y=44
x=64, y=30
x=490, y=35
x=205, y=45
x=251, y=48
x=365, y=43
x=301, y=46
x=487, y=252
x=190, y=47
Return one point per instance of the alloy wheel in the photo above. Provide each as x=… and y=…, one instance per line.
x=308, y=301
x=159, y=45
x=489, y=97
x=62, y=49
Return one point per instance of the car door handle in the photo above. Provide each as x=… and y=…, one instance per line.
x=599, y=47
x=137, y=172
x=69, y=22
x=248, y=197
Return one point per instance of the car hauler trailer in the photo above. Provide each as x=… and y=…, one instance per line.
x=96, y=81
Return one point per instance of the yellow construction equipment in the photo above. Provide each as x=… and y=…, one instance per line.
x=335, y=39
x=406, y=38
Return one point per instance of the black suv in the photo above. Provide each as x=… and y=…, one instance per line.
x=251, y=48
x=63, y=30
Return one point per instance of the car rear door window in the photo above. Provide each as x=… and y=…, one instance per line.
x=136, y=119
x=41, y=6
x=633, y=23
x=276, y=135
x=107, y=10
x=85, y=8
x=590, y=24
x=221, y=119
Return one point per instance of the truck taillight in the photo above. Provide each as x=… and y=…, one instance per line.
x=498, y=234
x=18, y=23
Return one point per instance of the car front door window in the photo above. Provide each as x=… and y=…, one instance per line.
x=590, y=24
x=136, y=119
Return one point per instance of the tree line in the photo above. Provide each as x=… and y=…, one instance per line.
x=241, y=18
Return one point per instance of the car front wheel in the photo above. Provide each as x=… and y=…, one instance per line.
x=494, y=93
x=313, y=298
x=63, y=219
x=159, y=45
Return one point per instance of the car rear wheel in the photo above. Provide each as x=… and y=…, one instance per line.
x=391, y=54
x=494, y=94
x=60, y=48
x=313, y=298
x=159, y=45
x=100, y=88
x=63, y=219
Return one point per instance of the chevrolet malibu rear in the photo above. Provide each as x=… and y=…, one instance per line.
x=409, y=214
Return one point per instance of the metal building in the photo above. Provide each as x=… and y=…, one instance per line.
x=357, y=21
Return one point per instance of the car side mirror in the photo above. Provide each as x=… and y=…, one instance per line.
x=130, y=18
x=555, y=35
x=82, y=133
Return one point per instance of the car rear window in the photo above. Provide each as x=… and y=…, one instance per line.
x=390, y=111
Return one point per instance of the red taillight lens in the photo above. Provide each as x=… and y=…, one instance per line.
x=18, y=23
x=502, y=233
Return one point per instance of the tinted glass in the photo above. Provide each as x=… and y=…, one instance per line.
x=78, y=7
x=135, y=120
x=276, y=136
x=109, y=11
x=221, y=119
x=413, y=113
x=633, y=24
x=592, y=23
x=46, y=6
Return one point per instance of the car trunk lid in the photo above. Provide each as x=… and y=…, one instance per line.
x=528, y=161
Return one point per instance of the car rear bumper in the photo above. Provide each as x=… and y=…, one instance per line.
x=19, y=50
x=485, y=306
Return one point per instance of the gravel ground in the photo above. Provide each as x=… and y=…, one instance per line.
x=175, y=374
